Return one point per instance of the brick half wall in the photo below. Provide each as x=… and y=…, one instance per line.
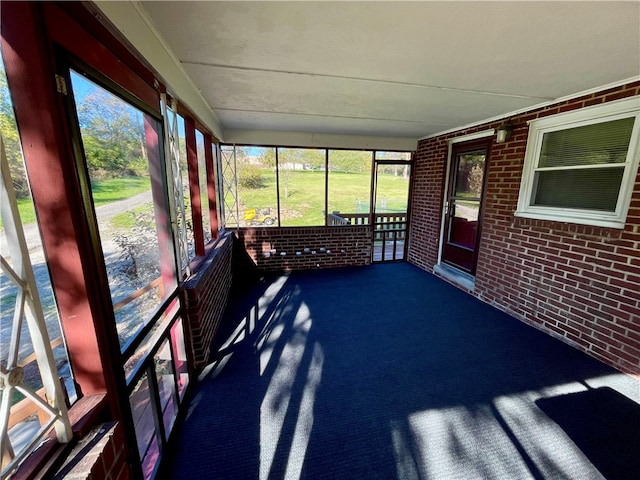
x=205, y=296
x=578, y=283
x=333, y=247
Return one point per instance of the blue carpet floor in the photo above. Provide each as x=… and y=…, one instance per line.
x=387, y=372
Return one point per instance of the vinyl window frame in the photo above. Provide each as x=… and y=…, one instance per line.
x=615, y=110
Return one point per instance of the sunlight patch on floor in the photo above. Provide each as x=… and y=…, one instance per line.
x=275, y=405
x=304, y=424
x=508, y=438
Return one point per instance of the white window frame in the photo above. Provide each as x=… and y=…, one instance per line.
x=587, y=116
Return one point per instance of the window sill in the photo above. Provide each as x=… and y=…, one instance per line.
x=594, y=220
x=83, y=415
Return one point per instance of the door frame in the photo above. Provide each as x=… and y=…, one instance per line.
x=483, y=135
x=372, y=213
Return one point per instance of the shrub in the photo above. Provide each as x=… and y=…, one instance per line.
x=250, y=176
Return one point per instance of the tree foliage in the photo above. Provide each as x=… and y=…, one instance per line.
x=349, y=161
x=250, y=176
x=112, y=134
x=11, y=139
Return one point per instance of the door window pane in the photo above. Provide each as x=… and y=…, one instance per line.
x=117, y=140
x=470, y=175
x=402, y=156
x=392, y=188
x=463, y=230
x=301, y=176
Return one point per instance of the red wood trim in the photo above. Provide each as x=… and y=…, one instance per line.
x=184, y=112
x=194, y=184
x=211, y=185
x=77, y=274
x=163, y=223
x=72, y=37
x=53, y=182
x=93, y=20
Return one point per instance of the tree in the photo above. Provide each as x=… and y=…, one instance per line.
x=112, y=134
x=349, y=161
x=476, y=177
x=9, y=131
x=250, y=176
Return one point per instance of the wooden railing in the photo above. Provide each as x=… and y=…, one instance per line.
x=334, y=219
x=157, y=283
x=384, y=222
x=341, y=218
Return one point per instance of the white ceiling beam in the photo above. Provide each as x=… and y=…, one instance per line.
x=301, y=139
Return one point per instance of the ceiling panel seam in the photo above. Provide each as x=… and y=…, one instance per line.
x=361, y=79
x=272, y=112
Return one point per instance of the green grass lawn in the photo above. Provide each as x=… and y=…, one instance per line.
x=105, y=191
x=305, y=203
x=303, y=207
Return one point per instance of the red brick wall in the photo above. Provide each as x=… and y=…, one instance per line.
x=205, y=295
x=578, y=283
x=343, y=246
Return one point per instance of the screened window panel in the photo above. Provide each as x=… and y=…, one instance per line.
x=585, y=189
x=202, y=179
x=349, y=181
x=402, y=156
x=596, y=144
x=256, y=186
x=301, y=179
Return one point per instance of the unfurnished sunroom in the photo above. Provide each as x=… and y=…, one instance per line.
x=383, y=239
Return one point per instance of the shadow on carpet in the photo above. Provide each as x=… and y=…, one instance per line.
x=604, y=424
x=387, y=372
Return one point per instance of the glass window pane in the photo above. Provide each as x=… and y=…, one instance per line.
x=135, y=361
x=392, y=188
x=403, y=156
x=463, y=228
x=349, y=180
x=301, y=175
x=180, y=357
x=204, y=192
x=146, y=435
x=166, y=386
x=470, y=175
x=599, y=143
x=216, y=177
x=587, y=189
x=256, y=178
x=191, y=246
x=114, y=136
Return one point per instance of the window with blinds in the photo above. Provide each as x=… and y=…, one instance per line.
x=580, y=167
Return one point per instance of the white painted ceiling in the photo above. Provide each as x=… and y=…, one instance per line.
x=405, y=69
